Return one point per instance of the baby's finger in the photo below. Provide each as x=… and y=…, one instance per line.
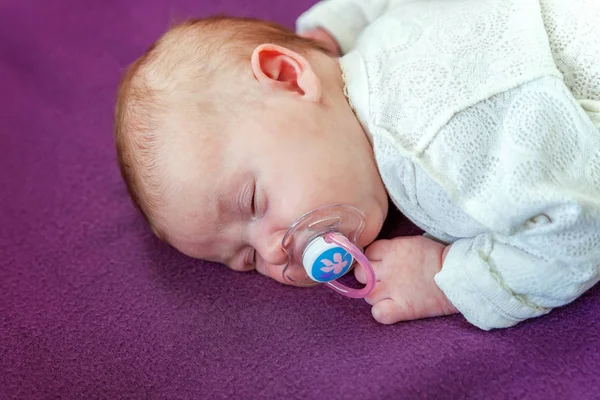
x=388, y=311
x=360, y=274
x=379, y=293
x=376, y=249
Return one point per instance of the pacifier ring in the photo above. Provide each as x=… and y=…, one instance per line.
x=361, y=259
x=321, y=248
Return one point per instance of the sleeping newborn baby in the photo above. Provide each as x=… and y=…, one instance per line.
x=479, y=119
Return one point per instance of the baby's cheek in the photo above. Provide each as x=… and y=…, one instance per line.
x=271, y=271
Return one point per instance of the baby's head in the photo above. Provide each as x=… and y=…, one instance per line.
x=228, y=130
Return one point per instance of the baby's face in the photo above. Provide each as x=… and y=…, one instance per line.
x=236, y=204
x=235, y=193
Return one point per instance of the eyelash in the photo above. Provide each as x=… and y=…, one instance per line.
x=254, y=209
x=253, y=201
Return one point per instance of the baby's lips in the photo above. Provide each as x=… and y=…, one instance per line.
x=294, y=274
x=270, y=271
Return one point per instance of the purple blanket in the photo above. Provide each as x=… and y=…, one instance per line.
x=93, y=307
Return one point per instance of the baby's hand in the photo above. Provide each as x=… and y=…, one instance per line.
x=322, y=36
x=404, y=270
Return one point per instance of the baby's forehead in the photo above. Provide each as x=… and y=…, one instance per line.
x=198, y=169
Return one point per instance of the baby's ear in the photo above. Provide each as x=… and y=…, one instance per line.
x=282, y=69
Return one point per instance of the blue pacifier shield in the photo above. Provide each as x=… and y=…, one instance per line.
x=326, y=262
x=311, y=258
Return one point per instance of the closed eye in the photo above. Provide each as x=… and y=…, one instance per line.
x=253, y=206
x=259, y=202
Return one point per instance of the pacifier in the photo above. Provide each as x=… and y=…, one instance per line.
x=321, y=248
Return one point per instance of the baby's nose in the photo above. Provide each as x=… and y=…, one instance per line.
x=274, y=255
x=270, y=250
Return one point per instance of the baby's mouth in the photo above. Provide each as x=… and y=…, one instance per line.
x=296, y=276
x=321, y=247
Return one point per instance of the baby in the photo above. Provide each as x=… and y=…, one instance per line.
x=479, y=119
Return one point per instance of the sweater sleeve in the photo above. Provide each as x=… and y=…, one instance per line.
x=496, y=282
x=343, y=19
x=540, y=203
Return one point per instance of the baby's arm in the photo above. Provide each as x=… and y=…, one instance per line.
x=533, y=179
x=497, y=281
x=343, y=19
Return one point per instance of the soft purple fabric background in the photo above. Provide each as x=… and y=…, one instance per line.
x=92, y=307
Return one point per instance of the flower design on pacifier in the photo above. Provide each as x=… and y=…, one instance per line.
x=324, y=261
x=321, y=248
x=338, y=265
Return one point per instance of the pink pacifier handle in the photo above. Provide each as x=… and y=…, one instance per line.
x=358, y=255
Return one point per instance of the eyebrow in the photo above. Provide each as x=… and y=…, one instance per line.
x=227, y=211
x=223, y=208
x=226, y=208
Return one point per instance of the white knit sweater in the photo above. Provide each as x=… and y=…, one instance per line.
x=481, y=114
